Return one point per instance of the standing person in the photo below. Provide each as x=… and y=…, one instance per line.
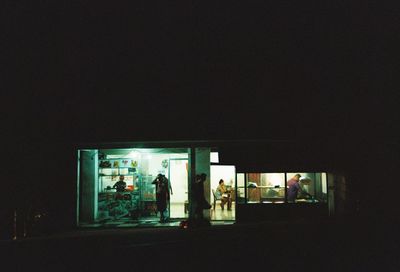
x=162, y=195
x=224, y=194
x=294, y=188
x=120, y=185
x=200, y=200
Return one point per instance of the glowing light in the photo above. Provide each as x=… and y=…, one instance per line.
x=132, y=155
x=214, y=157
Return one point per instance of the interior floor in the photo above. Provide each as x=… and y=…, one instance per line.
x=178, y=213
x=143, y=223
x=219, y=214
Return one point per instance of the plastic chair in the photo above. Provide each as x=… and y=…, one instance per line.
x=215, y=199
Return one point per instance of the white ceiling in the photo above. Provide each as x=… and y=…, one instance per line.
x=126, y=151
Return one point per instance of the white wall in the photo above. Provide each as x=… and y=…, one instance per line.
x=273, y=179
x=152, y=163
x=324, y=183
x=179, y=180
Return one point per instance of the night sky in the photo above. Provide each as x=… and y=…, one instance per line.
x=86, y=71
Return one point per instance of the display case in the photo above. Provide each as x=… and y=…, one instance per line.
x=148, y=196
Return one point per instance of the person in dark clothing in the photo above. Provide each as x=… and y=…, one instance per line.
x=294, y=188
x=120, y=185
x=162, y=195
x=200, y=200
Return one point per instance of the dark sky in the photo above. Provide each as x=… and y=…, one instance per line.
x=86, y=71
x=94, y=70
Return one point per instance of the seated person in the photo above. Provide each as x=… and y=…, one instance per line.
x=120, y=185
x=224, y=194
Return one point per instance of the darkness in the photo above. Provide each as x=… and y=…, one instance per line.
x=319, y=73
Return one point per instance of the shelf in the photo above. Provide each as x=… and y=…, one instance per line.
x=118, y=159
x=116, y=167
x=135, y=192
x=117, y=175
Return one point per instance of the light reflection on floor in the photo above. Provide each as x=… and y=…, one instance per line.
x=217, y=216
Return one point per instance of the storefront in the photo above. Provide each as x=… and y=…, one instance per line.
x=251, y=195
x=101, y=167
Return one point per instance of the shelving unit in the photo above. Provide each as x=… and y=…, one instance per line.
x=111, y=169
x=140, y=202
x=119, y=204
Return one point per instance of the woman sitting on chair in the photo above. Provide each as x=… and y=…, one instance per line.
x=224, y=194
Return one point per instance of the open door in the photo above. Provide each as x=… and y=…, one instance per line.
x=228, y=174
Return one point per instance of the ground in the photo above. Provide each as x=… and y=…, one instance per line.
x=270, y=246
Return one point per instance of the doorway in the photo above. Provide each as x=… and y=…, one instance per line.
x=228, y=174
x=178, y=178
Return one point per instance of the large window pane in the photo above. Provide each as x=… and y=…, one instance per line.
x=265, y=187
x=253, y=190
x=272, y=188
x=311, y=187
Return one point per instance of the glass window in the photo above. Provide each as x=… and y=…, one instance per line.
x=272, y=188
x=240, y=188
x=265, y=187
x=253, y=190
x=308, y=187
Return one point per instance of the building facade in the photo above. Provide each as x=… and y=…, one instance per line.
x=257, y=183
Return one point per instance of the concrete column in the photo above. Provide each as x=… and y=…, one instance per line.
x=203, y=166
x=88, y=185
x=331, y=193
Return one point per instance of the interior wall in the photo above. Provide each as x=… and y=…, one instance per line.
x=324, y=183
x=179, y=180
x=152, y=163
x=273, y=179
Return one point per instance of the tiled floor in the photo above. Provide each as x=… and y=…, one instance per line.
x=177, y=211
x=129, y=223
x=217, y=216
